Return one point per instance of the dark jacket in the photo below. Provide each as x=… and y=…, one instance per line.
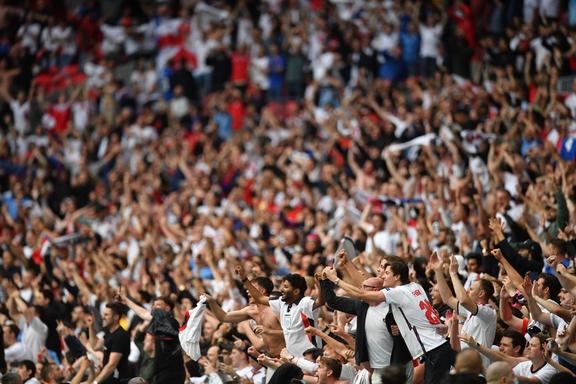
x=354, y=307
x=520, y=263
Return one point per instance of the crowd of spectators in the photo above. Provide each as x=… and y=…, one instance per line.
x=282, y=191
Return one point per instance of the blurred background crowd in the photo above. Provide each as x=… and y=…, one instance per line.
x=155, y=145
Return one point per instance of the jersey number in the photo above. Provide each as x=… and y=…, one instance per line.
x=430, y=312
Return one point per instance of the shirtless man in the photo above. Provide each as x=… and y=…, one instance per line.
x=268, y=325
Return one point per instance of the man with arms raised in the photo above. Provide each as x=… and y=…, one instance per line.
x=268, y=324
x=416, y=318
x=474, y=304
x=295, y=311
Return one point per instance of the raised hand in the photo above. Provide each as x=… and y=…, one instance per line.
x=495, y=226
x=240, y=272
x=330, y=273
x=497, y=253
x=435, y=263
x=527, y=285
x=120, y=295
x=453, y=265
x=341, y=257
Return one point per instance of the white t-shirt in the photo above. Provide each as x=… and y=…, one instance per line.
x=294, y=319
x=481, y=326
x=385, y=241
x=29, y=34
x=412, y=300
x=378, y=338
x=543, y=374
x=34, y=335
x=17, y=352
x=20, y=113
x=430, y=40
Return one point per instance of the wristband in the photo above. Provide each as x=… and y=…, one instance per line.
x=337, y=282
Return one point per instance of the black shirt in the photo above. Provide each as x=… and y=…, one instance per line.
x=400, y=353
x=117, y=341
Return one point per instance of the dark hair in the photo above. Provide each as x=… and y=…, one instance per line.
x=543, y=338
x=474, y=256
x=116, y=307
x=11, y=378
x=552, y=283
x=285, y=373
x=30, y=366
x=560, y=244
x=48, y=295
x=334, y=365
x=297, y=282
x=13, y=328
x=399, y=267
x=517, y=339
x=394, y=374
x=487, y=287
x=315, y=352
x=166, y=300
x=265, y=283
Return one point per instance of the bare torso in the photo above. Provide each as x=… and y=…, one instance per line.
x=264, y=316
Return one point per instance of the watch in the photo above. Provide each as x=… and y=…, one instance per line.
x=337, y=282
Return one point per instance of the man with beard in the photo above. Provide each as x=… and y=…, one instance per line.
x=115, y=368
x=268, y=324
x=295, y=311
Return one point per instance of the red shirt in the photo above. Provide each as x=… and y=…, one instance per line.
x=240, y=62
x=237, y=112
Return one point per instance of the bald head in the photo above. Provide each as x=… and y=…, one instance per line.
x=497, y=370
x=469, y=361
x=373, y=283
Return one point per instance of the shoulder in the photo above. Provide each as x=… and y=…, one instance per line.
x=485, y=309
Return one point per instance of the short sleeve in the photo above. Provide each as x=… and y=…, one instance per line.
x=308, y=305
x=393, y=296
x=275, y=305
x=556, y=321
x=546, y=373
x=486, y=313
x=120, y=343
x=463, y=311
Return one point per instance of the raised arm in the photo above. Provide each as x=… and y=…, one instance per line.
x=512, y=273
x=461, y=294
x=436, y=265
x=349, y=272
x=357, y=293
x=492, y=354
x=506, y=314
x=230, y=317
x=141, y=312
x=254, y=292
x=533, y=307
x=567, y=280
x=337, y=346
